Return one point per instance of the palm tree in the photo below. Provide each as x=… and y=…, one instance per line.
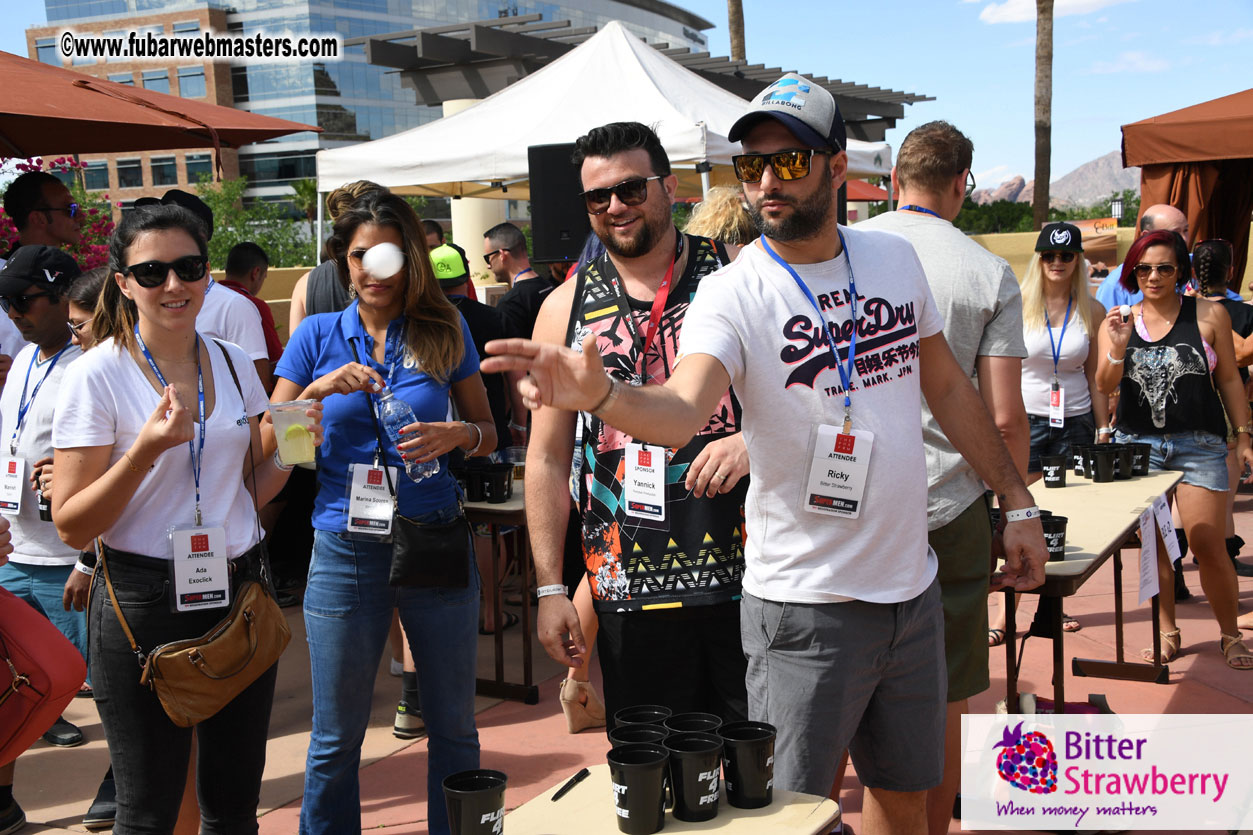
x=306, y=200
x=735, y=27
x=1043, y=110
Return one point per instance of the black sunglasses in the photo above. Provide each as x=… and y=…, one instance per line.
x=72, y=209
x=786, y=165
x=489, y=256
x=970, y=182
x=22, y=302
x=1050, y=257
x=153, y=273
x=631, y=192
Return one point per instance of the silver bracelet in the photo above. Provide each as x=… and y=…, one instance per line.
x=1113, y=361
x=477, y=443
x=610, y=396
x=517, y=427
x=1022, y=514
x=549, y=591
x=278, y=462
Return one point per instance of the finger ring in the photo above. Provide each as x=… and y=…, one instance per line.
x=719, y=476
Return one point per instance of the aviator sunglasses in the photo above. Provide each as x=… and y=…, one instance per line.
x=1166, y=271
x=1050, y=257
x=153, y=273
x=22, y=302
x=631, y=192
x=786, y=165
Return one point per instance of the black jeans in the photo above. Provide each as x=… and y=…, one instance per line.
x=687, y=659
x=149, y=752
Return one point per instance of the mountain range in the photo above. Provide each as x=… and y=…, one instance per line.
x=1084, y=186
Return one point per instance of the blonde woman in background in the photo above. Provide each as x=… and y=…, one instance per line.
x=722, y=217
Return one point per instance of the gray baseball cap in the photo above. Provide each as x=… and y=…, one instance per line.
x=803, y=107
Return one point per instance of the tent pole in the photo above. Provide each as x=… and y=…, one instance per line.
x=890, y=207
x=317, y=236
x=704, y=184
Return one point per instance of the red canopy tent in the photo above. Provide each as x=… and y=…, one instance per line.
x=1200, y=160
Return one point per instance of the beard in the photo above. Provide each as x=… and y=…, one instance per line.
x=651, y=231
x=808, y=217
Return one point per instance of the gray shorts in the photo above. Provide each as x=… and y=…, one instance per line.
x=869, y=677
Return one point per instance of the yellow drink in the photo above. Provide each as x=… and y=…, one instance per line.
x=295, y=442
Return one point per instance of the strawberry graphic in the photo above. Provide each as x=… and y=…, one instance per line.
x=1028, y=761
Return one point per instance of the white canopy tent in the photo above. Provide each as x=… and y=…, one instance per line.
x=612, y=77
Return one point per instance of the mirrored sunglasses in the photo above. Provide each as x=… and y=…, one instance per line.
x=786, y=165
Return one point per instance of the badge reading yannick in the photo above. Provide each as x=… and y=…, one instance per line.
x=645, y=482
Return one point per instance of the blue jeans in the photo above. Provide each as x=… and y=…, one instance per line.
x=1200, y=456
x=1048, y=440
x=348, y=609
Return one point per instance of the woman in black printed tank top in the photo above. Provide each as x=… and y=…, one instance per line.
x=1173, y=362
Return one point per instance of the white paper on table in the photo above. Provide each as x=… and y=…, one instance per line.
x=1148, y=556
x=1161, y=509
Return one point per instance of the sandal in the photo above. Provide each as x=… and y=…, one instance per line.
x=1070, y=624
x=1234, y=650
x=1171, y=642
x=587, y=712
x=996, y=637
x=510, y=620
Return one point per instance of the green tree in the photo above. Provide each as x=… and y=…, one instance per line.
x=306, y=201
x=266, y=224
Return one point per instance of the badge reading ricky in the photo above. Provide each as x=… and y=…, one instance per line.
x=837, y=474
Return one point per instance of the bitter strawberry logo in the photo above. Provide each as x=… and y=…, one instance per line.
x=844, y=444
x=646, y=458
x=1028, y=761
x=374, y=477
x=199, y=542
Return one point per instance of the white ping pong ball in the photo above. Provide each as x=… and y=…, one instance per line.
x=1125, y=310
x=383, y=260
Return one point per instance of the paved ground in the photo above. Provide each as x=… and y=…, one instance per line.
x=530, y=743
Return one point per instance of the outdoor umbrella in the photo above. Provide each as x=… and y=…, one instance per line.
x=49, y=110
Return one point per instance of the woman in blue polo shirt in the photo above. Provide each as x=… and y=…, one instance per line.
x=400, y=333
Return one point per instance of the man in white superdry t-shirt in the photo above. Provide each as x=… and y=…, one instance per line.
x=841, y=616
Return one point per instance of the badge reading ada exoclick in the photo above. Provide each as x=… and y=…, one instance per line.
x=837, y=475
x=201, y=573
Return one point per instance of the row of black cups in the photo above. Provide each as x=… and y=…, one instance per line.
x=1097, y=462
x=686, y=753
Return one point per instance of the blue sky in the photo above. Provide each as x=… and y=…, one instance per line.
x=1115, y=61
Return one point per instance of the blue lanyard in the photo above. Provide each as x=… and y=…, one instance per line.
x=520, y=272
x=1057, y=346
x=197, y=454
x=846, y=370
x=23, y=404
x=913, y=208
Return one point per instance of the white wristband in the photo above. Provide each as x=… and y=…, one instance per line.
x=83, y=569
x=279, y=463
x=1022, y=514
x=1113, y=361
x=1105, y=430
x=549, y=591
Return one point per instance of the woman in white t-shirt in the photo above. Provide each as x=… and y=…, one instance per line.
x=1059, y=318
x=157, y=441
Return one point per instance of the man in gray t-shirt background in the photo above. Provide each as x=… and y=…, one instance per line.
x=977, y=295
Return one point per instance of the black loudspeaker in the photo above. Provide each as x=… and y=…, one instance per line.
x=559, y=224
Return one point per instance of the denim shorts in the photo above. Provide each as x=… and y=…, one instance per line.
x=1200, y=456
x=1047, y=440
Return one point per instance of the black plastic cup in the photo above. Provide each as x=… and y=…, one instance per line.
x=695, y=767
x=1103, y=464
x=1123, y=458
x=498, y=482
x=1140, y=458
x=1078, y=457
x=681, y=723
x=1054, y=469
x=475, y=801
x=642, y=715
x=1055, y=536
x=476, y=480
x=748, y=763
x=637, y=773
x=628, y=734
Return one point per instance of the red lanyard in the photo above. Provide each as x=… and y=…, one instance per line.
x=659, y=307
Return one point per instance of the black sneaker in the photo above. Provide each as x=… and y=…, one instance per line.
x=63, y=735
x=12, y=818
x=103, y=811
x=1181, y=588
x=408, y=724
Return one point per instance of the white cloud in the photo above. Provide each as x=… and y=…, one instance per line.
x=992, y=176
x=1130, y=62
x=1221, y=38
x=1023, y=11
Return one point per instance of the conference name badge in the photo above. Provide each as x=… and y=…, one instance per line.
x=1057, y=406
x=201, y=570
x=645, y=482
x=12, y=479
x=838, y=471
x=370, y=504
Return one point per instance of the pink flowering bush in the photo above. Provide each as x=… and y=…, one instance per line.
x=93, y=250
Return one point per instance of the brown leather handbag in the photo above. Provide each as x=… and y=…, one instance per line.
x=196, y=677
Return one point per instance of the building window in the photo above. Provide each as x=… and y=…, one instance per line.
x=157, y=80
x=46, y=50
x=130, y=173
x=187, y=28
x=96, y=175
x=164, y=171
x=198, y=164
x=122, y=78
x=191, y=83
x=120, y=34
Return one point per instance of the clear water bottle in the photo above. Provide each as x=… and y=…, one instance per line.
x=395, y=415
